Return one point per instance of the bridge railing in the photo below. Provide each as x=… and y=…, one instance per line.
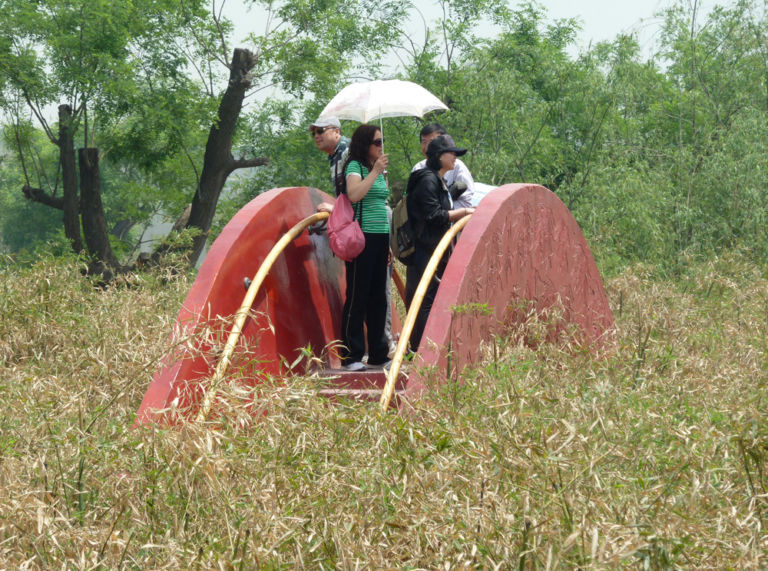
x=413, y=311
x=242, y=313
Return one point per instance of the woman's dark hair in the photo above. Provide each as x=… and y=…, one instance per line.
x=361, y=141
x=433, y=162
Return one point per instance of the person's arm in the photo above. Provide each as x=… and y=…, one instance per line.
x=358, y=187
x=428, y=200
x=462, y=174
x=457, y=213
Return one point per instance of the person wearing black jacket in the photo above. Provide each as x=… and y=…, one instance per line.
x=431, y=212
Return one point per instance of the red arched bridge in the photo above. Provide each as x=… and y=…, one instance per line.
x=520, y=252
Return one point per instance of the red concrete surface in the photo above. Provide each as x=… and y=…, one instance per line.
x=522, y=249
x=299, y=304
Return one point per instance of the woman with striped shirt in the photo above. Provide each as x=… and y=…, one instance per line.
x=366, y=302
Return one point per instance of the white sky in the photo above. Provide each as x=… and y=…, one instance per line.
x=605, y=19
x=599, y=19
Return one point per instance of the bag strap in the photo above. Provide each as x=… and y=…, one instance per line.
x=340, y=179
x=341, y=188
x=359, y=212
x=358, y=206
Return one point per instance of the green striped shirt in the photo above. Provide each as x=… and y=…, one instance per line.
x=375, y=219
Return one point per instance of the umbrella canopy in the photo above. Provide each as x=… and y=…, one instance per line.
x=370, y=100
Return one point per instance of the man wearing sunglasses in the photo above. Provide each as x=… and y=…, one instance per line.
x=327, y=136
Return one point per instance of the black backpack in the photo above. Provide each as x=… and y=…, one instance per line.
x=402, y=238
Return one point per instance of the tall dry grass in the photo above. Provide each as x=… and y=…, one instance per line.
x=654, y=456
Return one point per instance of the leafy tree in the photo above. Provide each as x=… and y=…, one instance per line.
x=731, y=191
x=83, y=56
x=718, y=69
x=23, y=223
x=306, y=47
x=123, y=69
x=517, y=100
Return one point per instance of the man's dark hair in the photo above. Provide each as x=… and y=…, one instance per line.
x=432, y=128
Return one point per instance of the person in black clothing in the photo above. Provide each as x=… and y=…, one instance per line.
x=431, y=213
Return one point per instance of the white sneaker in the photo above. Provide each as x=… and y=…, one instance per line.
x=354, y=366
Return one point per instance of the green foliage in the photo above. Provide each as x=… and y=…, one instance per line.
x=317, y=39
x=129, y=97
x=629, y=216
x=658, y=157
x=732, y=201
x=22, y=223
x=144, y=78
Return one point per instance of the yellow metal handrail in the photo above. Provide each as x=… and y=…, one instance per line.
x=242, y=313
x=410, y=318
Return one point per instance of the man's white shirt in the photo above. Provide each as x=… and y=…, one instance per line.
x=459, y=173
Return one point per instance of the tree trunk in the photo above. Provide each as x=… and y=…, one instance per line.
x=121, y=229
x=94, y=221
x=218, y=162
x=69, y=179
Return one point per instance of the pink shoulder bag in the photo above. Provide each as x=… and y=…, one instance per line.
x=344, y=233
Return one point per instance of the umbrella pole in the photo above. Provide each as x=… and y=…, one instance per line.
x=381, y=128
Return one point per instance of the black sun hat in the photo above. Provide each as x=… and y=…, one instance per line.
x=443, y=144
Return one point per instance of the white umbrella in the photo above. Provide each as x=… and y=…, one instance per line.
x=370, y=100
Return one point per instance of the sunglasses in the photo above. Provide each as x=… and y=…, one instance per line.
x=320, y=130
x=378, y=142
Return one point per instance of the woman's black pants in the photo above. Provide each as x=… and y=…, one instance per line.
x=413, y=275
x=366, y=303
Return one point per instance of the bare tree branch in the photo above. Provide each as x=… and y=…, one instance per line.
x=38, y=114
x=41, y=170
x=191, y=61
x=217, y=20
x=248, y=163
x=204, y=44
x=21, y=152
x=191, y=162
x=39, y=195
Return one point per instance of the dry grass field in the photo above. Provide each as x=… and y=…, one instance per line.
x=653, y=456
